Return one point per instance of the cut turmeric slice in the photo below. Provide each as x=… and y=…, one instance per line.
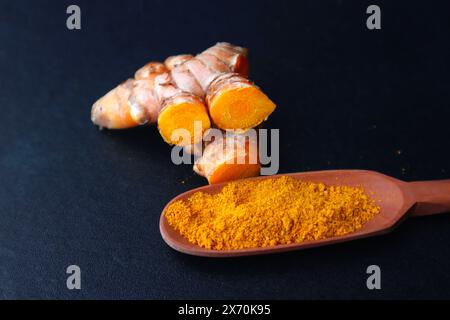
x=236, y=103
x=229, y=158
x=229, y=172
x=183, y=112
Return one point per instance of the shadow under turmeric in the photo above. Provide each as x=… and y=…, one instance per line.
x=268, y=212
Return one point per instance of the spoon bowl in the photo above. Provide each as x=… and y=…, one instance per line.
x=397, y=200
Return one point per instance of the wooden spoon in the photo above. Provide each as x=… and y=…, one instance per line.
x=397, y=200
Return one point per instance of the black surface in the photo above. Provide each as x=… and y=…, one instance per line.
x=347, y=98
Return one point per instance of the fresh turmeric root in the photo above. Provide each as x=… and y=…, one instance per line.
x=228, y=158
x=219, y=75
x=210, y=88
x=148, y=98
x=172, y=94
x=236, y=103
x=113, y=109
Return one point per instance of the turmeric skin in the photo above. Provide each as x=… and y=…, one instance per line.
x=269, y=212
x=227, y=158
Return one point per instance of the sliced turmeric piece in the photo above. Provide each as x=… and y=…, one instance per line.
x=236, y=103
x=183, y=112
x=229, y=172
x=232, y=157
x=179, y=110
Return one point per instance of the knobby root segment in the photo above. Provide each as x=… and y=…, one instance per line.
x=131, y=103
x=236, y=58
x=195, y=74
x=229, y=158
x=150, y=71
x=178, y=117
x=179, y=112
x=175, y=61
x=236, y=103
x=112, y=111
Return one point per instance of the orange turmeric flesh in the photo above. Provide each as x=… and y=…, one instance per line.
x=229, y=158
x=183, y=115
x=240, y=107
x=233, y=171
x=269, y=212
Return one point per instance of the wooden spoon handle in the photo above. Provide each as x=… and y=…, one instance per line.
x=431, y=197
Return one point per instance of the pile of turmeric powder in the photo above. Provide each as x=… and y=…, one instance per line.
x=268, y=212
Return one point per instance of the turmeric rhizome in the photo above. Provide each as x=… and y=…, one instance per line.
x=210, y=88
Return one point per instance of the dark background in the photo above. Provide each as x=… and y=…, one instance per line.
x=347, y=97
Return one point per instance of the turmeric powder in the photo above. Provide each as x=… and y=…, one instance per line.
x=269, y=212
